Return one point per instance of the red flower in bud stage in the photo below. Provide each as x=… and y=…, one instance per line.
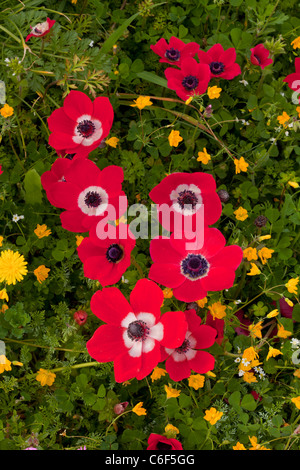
x=80, y=317
x=191, y=79
x=293, y=79
x=260, y=56
x=80, y=125
x=119, y=408
x=187, y=357
x=107, y=259
x=182, y=263
x=40, y=29
x=87, y=193
x=158, y=442
x=187, y=195
x=174, y=52
x=134, y=330
x=218, y=325
x=221, y=63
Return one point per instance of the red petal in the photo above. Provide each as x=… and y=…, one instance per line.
x=168, y=275
x=103, y=111
x=175, y=327
x=76, y=104
x=190, y=291
x=106, y=343
x=218, y=279
x=178, y=370
x=148, y=362
x=202, y=362
x=83, y=172
x=72, y=221
x=205, y=336
x=110, y=305
x=161, y=251
x=58, y=121
x=230, y=257
x=147, y=297
x=126, y=367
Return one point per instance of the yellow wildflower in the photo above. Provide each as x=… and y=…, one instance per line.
x=217, y=310
x=157, y=373
x=210, y=373
x=291, y=285
x=17, y=363
x=255, y=330
x=289, y=302
x=171, y=392
x=201, y=302
x=203, y=156
x=171, y=430
x=255, y=445
x=249, y=377
x=4, y=307
x=264, y=254
x=293, y=184
x=74, y=1
x=273, y=313
x=273, y=352
x=141, y=102
x=189, y=100
x=45, y=377
x=281, y=332
x=168, y=293
x=139, y=410
x=5, y=364
x=254, y=270
x=296, y=401
x=241, y=214
x=42, y=231
x=196, y=381
x=250, y=253
x=283, y=119
x=13, y=267
x=212, y=415
x=213, y=92
x=3, y=295
x=250, y=354
x=6, y=111
x=240, y=165
x=41, y=273
x=239, y=446
x=113, y=142
x=79, y=239
x=1, y=240
x=264, y=237
x=174, y=138
x=296, y=43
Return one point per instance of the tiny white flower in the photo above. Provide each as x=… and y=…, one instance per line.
x=244, y=82
x=91, y=44
x=124, y=280
x=245, y=362
x=295, y=342
x=241, y=373
x=286, y=133
x=238, y=301
x=238, y=359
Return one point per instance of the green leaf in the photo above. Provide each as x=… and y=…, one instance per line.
x=33, y=187
x=234, y=400
x=248, y=402
x=153, y=78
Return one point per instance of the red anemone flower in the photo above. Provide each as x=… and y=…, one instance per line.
x=107, y=259
x=187, y=357
x=191, y=79
x=182, y=197
x=260, y=56
x=174, y=52
x=40, y=29
x=134, y=330
x=191, y=268
x=81, y=124
x=158, y=442
x=88, y=194
x=221, y=63
x=293, y=79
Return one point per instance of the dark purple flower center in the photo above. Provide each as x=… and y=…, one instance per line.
x=184, y=347
x=114, y=253
x=86, y=128
x=187, y=197
x=137, y=330
x=37, y=31
x=172, y=54
x=163, y=446
x=92, y=199
x=190, y=82
x=257, y=58
x=216, y=67
x=194, y=266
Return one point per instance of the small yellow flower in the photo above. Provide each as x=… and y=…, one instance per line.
x=4, y=307
x=174, y=138
x=273, y=313
x=265, y=254
x=239, y=446
x=240, y=165
x=139, y=410
x=42, y=231
x=201, y=302
x=249, y=377
x=250, y=253
x=141, y=102
x=157, y=373
x=296, y=401
x=217, y=310
x=13, y=267
x=17, y=363
x=254, y=270
x=289, y=302
x=3, y=295
x=1, y=240
x=45, y=377
x=293, y=184
x=273, y=352
x=171, y=392
x=168, y=293
x=196, y=381
x=5, y=364
x=74, y=2
x=264, y=237
x=281, y=332
x=241, y=214
x=112, y=142
x=210, y=374
x=213, y=92
x=171, y=430
x=6, y=111
x=189, y=100
x=203, y=156
x=255, y=330
x=283, y=119
x=79, y=239
x=41, y=273
x=250, y=354
x=212, y=415
x=255, y=445
x=296, y=43
x=291, y=285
